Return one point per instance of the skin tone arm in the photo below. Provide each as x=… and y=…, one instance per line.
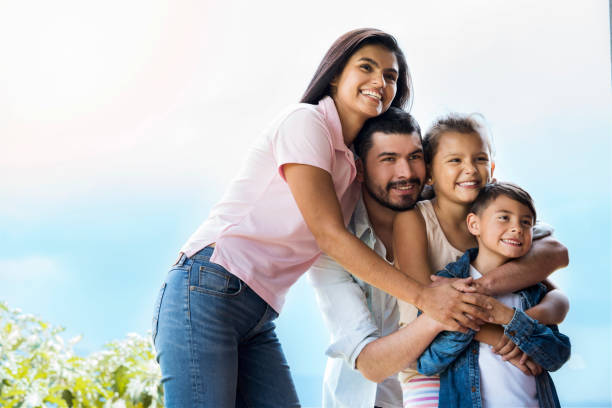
x=323, y=217
x=392, y=353
x=545, y=256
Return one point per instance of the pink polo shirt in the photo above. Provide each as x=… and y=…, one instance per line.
x=259, y=232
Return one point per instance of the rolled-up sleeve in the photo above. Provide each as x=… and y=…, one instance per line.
x=345, y=310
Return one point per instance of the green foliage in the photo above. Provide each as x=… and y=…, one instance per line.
x=38, y=368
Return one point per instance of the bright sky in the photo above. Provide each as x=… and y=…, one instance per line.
x=121, y=122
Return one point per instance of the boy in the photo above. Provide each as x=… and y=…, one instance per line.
x=471, y=375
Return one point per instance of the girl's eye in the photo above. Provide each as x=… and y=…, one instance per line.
x=527, y=223
x=366, y=67
x=503, y=218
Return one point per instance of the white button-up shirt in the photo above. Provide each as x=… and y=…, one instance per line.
x=356, y=314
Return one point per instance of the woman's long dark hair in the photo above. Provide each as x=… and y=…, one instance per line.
x=339, y=53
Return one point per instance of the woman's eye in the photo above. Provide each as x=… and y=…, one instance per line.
x=390, y=78
x=366, y=67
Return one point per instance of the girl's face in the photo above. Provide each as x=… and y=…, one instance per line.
x=460, y=167
x=366, y=87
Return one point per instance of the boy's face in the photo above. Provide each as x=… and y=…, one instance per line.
x=503, y=228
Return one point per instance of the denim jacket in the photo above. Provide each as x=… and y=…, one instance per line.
x=454, y=355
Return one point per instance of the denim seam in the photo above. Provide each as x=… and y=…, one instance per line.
x=260, y=323
x=217, y=293
x=192, y=354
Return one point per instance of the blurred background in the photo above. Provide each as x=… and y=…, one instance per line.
x=121, y=123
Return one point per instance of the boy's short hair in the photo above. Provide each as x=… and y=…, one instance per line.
x=493, y=190
x=394, y=120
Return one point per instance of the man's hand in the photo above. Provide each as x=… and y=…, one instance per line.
x=452, y=307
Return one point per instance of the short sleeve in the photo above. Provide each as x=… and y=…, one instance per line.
x=303, y=138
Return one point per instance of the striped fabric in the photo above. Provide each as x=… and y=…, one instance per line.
x=421, y=391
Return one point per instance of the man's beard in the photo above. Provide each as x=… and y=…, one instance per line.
x=383, y=199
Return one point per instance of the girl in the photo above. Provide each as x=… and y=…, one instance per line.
x=427, y=238
x=213, y=321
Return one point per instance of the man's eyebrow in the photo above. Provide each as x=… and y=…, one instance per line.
x=387, y=154
x=376, y=64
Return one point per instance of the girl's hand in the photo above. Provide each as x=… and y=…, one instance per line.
x=500, y=313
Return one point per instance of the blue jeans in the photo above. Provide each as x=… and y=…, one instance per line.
x=215, y=341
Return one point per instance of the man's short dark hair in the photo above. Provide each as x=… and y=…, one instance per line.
x=394, y=120
x=493, y=190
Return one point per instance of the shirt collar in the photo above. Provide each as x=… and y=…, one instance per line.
x=361, y=222
x=328, y=107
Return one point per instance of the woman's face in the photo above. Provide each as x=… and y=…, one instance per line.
x=461, y=166
x=366, y=87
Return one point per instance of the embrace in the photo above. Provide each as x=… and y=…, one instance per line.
x=430, y=302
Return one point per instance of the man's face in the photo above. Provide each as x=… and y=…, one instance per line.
x=394, y=170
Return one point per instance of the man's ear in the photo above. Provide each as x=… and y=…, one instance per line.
x=360, y=169
x=473, y=224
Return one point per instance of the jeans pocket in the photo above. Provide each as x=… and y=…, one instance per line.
x=156, y=310
x=216, y=280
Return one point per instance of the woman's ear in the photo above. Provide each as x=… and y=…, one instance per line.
x=473, y=224
x=360, y=169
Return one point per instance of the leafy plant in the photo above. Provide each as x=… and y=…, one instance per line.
x=38, y=368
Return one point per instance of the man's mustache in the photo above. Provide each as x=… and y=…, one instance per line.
x=401, y=183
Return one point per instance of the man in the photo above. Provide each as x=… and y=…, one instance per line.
x=367, y=349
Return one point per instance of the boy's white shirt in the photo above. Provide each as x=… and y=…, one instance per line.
x=501, y=383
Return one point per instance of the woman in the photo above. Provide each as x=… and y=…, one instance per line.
x=213, y=327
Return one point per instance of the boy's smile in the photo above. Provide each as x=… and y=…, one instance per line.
x=503, y=229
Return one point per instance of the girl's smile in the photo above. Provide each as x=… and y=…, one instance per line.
x=461, y=166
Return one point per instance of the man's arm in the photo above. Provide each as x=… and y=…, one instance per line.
x=545, y=256
x=390, y=354
x=343, y=305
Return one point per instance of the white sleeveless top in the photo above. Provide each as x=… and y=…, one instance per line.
x=440, y=253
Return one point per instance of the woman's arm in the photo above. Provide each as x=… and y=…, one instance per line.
x=545, y=256
x=313, y=191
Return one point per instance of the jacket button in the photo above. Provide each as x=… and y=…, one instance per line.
x=474, y=351
x=473, y=389
x=512, y=333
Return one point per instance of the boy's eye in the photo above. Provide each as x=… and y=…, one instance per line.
x=483, y=159
x=503, y=218
x=455, y=160
x=527, y=223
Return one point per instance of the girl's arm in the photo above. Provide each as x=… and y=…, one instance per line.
x=410, y=245
x=313, y=191
x=545, y=256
